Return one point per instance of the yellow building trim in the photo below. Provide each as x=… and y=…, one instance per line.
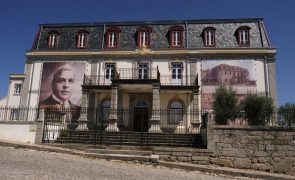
x=157, y=52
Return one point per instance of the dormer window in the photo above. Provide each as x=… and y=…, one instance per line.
x=243, y=36
x=144, y=36
x=82, y=39
x=209, y=37
x=17, y=88
x=112, y=37
x=52, y=39
x=176, y=36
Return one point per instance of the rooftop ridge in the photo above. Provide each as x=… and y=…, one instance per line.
x=117, y=23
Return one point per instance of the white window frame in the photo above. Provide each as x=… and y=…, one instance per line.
x=110, y=71
x=52, y=40
x=175, y=67
x=175, y=38
x=112, y=39
x=143, y=70
x=17, y=88
x=176, y=112
x=143, y=35
x=82, y=39
x=209, y=37
x=244, y=36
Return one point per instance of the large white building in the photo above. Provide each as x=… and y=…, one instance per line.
x=155, y=71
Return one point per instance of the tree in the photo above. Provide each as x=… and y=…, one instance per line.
x=286, y=114
x=258, y=110
x=225, y=105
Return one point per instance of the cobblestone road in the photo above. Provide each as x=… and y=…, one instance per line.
x=30, y=164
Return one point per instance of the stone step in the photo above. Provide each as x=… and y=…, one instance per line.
x=111, y=151
x=125, y=155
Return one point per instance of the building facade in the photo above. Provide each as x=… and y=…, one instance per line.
x=149, y=67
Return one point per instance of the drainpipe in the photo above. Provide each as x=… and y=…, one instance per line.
x=31, y=84
x=266, y=76
x=102, y=42
x=186, y=72
x=186, y=38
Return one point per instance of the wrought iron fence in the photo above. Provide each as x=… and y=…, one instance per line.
x=121, y=126
x=18, y=113
x=170, y=80
x=169, y=120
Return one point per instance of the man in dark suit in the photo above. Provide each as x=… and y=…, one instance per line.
x=62, y=88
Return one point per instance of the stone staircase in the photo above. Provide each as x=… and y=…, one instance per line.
x=124, y=155
x=130, y=139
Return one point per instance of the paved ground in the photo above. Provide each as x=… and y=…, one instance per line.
x=31, y=164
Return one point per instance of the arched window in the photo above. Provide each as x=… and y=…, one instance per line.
x=209, y=36
x=243, y=36
x=81, y=39
x=112, y=37
x=141, y=104
x=144, y=36
x=175, y=112
x=52, y=39
x=105, y=109
x=176, y=36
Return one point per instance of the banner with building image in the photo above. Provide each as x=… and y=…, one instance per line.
x=239, y=74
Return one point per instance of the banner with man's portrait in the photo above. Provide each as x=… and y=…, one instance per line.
x=61, y=84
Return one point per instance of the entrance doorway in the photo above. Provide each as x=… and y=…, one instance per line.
x=141, y=117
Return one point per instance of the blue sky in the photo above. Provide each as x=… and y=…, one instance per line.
x=20, y=19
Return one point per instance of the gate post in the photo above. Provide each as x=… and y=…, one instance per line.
x=112, y=126
x=155, y=119
x=196, y=113
x=40, y=127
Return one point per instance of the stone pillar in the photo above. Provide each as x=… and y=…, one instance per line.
x=40, y=127
x=112, y=126
x=155, y=119
x=83, y=120
x=196, y=113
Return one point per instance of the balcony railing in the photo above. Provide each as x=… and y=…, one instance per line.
x=137, y=73
x=140, y=74
x=168, y=80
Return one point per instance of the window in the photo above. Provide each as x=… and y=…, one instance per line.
x=17, y=88
x=82, y=39
x=143, y=71
x=176, y=36
x=112, y=37
x=175, y=112
x=144, y=36
x=52, y=39
x=109, y=71
x=209, y=37
x=176, y=70
x=105, y=108
x=243, y=36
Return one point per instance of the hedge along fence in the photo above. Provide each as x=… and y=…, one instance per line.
x=260, y=148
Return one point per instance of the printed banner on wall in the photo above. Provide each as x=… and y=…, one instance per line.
x=61, y=84
x=239, y=74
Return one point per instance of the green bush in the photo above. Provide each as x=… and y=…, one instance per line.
x=258, y=110
x=286, y=114
x=225, y=105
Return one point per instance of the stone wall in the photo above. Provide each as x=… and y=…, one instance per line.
x=259, y=148
x=188, y=155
